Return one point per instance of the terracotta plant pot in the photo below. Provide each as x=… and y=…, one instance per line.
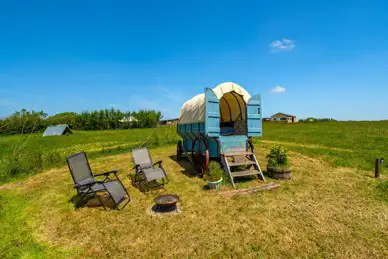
x=279, y=173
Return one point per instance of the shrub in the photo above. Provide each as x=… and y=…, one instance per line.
x=277, y=156
x=23, y=121
x=215, y=172
x=52, y=158
x=146, y=118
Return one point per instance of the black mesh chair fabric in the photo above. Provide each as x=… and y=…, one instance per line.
x=154, y=174
x=142, y=157
x=80, y=169
x=114, y=188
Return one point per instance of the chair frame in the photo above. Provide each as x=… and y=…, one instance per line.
x=88, y=191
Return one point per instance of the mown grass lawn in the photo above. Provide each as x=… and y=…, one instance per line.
x=323, y=211
x=326, y=210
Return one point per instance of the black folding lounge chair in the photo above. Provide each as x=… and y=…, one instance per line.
x=87, y=186
x=147, y=177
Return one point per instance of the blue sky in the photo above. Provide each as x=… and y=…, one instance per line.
x=307, y=58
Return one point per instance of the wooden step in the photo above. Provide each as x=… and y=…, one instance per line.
x=244, y=153
x=244, y=173
x=248, y=162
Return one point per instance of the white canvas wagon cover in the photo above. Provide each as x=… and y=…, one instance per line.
x=193, y=111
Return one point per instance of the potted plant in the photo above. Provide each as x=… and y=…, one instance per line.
x=278, y=166
x=213, y=176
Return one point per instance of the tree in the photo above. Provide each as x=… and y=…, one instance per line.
x=147, y=118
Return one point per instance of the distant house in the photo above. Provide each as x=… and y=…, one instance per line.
x=169, y=122
x=283, y=117
x=128, y=119
x=267, y=119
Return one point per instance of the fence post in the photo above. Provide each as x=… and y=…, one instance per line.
x=377, y=168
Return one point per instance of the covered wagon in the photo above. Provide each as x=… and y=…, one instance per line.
x=219, y=124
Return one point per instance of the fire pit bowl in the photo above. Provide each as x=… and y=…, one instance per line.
x=166, y=201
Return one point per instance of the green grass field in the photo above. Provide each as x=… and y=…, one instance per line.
x=27, y=154
x=332, y=207
x=350, y=144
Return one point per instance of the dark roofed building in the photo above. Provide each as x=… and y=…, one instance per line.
x=169, y=122
x=57, y=130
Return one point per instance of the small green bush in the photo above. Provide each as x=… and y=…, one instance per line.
x=215, y=172
x=278, y=156
x=52, y=159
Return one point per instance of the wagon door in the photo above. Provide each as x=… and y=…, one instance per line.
x=212, y=114
x=254, y=122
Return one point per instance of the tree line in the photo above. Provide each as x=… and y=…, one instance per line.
x=25, y=121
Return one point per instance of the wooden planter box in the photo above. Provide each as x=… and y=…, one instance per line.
x=279, y=173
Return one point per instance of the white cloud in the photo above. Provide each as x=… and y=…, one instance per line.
x=278, y=89
x=282, y=45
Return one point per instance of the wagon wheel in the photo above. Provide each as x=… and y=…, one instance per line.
x=179, y=151
x=201, y=161
x=250, y=146
x=195, y=158
x=207, y=159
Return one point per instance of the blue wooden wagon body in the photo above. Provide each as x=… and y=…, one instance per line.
x=222, y=120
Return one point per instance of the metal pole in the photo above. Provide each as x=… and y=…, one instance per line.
x=377, y=168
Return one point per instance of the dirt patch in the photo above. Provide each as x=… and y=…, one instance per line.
x=264, y=187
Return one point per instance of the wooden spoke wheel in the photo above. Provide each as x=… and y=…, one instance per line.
x=179, y=151
x=200, y=159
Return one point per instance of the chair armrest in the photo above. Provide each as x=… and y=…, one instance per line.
x=107, y=173
x=159, y=163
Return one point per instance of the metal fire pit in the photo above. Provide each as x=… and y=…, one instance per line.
x=166, y=203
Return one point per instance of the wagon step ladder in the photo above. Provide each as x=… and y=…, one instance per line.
x=238, y=159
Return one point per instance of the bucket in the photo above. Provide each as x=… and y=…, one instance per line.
x=214, y=185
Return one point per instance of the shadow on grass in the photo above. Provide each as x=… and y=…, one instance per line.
x=151, y=187
x=93, y=201
x=206, y=187
x=188, y=170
